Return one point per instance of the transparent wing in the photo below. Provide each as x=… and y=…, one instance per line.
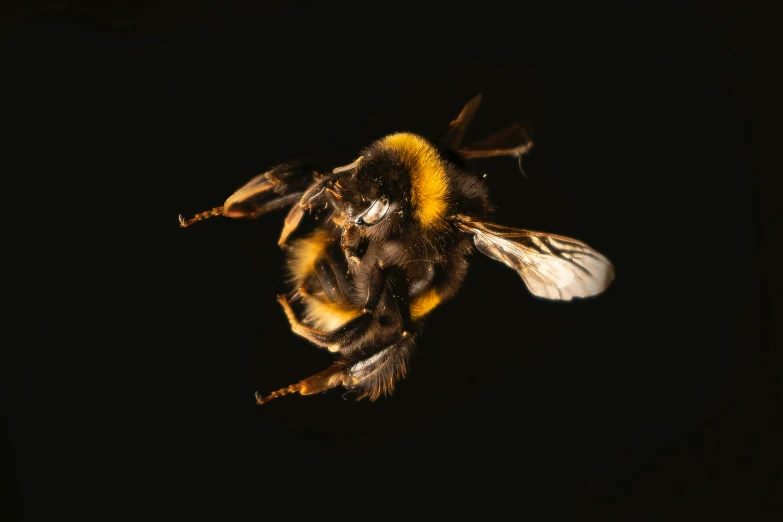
x=552, y=266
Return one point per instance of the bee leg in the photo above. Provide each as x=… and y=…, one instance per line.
x=351, y=331
x=291, y=223
x=320, y=382
x=377, y=375
x=334, y=286
x=452, y=138
x=332, y=340
x=277, y=188
x=351, y=244
x=309, y=197
x=371, y=377
x=217, y=211
x=512, y=141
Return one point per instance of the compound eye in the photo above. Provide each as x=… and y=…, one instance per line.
x=375, y=213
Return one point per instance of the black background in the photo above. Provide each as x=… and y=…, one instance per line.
x=132, y=348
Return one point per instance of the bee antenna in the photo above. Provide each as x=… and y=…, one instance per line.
x=349, y=167
x=217, y=211
x=279, y=393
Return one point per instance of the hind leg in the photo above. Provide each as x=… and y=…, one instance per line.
x=370, y=378
x=361, y=374
x=351, y=331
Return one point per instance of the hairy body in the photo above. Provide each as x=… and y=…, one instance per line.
x=395, y=230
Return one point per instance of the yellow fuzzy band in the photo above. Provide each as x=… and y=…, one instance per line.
x=327, y=315
x=423, y=304
x=429, y=181
x=304, y=254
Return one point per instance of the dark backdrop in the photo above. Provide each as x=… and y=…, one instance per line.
x=132, y=348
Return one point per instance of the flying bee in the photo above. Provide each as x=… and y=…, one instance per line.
x=395, y=229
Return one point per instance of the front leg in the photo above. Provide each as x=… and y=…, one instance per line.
x=277, y=188
x=295, y=215
x=352, y=331
x=281, y=186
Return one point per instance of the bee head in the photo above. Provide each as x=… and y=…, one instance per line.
x=399, y=181
x=369, y=194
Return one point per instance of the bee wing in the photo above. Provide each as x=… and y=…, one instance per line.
x=276, y=188
x=553, y=267
x=454, y=135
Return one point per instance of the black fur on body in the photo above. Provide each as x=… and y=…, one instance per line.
x=411, y=260
x=394, y=231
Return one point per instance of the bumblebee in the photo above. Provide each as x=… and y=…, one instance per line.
x=394, y=231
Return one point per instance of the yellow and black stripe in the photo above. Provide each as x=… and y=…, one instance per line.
x=428, y=177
